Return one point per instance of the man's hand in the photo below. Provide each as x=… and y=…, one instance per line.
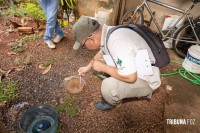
x=98, y=66
x=83, y=70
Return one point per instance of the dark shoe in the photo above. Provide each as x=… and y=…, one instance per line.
x=103, y=105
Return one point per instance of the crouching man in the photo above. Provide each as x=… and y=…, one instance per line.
x=121, y=47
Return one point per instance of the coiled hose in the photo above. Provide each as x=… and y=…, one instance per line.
x=192, y=77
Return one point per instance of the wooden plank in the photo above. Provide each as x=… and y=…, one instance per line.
x=25, y=30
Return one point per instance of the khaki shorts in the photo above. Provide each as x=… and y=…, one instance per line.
x=114, y=91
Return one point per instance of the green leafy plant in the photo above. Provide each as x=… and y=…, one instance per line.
x=18, y=1
x=32, y=1
x=3, y=14
x=68, y=106
x=34, y=11
x=47, y=63
x=2, y=1
x=18, y=46
x=8, y=91
x=69, y=3
x=60, y=23
x=15, y=11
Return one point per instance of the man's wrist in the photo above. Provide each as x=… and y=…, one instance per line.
x=105, y=68
x=89, y=66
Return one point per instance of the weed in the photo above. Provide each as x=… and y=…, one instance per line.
x=30, y=9
x=22, y=63
x=18, y=1
x=14, y=11
x=8, y=91
x=47, y=63
x=27, y=9
x=3, y=14
x=34, y=11
x=2, y=1
x=68, y=106
x=18, y=45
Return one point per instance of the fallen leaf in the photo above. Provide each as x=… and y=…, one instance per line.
x=68, y=78
x=169, y=87
x=47, y=69
x=2, y=71
x=24, y=21
x=175, y=69
x=42, y=27
x=9, y=71
x=41, y=66
x=11, y=53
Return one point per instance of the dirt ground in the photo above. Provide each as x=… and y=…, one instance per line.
x=134, y=115
x=182, y=101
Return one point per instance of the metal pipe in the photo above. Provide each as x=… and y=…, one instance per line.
x=153, y=17
x=167, y=6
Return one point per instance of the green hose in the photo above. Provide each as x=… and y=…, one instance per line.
x=192, y=77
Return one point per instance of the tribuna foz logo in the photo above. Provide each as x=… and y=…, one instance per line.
x=181, y=121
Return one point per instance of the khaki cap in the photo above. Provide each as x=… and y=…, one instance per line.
x=83, y=28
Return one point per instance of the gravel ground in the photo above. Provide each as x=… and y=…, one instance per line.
x=134, y=115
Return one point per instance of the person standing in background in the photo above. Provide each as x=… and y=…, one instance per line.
x=50, y=7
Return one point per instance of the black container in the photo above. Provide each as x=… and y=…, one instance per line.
x=39, y=119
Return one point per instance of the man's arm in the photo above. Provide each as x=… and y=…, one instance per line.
x=112, y=71
x=98, y=56
x=83, y=70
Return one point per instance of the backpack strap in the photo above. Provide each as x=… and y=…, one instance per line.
x=130, y=26
x=108, y=35
x=153, y=40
